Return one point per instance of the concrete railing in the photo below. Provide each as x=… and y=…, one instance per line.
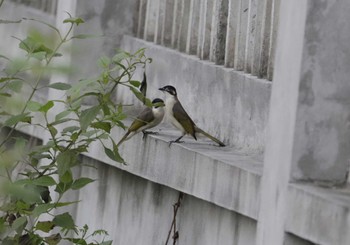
x=239, y=34
x=236, y=194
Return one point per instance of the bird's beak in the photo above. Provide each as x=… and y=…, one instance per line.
x=161, y=89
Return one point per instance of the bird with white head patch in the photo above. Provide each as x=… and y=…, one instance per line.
x=179, y=117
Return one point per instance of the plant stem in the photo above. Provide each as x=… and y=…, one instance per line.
x=37, y=84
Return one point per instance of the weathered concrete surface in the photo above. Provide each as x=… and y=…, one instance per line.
x=321, y=150
x=226, y=103
x=319, y=214
x=136, y=211
x=109, y=19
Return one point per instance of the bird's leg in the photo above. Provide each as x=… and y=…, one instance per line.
x=145, y=133
x=176, y=141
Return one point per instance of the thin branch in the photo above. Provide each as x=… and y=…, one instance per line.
x=173, y=223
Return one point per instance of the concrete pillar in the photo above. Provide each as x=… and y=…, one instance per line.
x=309, y=127
x=232, y=22
x=322, y=134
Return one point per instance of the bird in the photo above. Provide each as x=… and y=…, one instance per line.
x=148, y=118
x=179, y=117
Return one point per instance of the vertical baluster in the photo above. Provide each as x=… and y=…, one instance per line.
x=161, y=21
x=176, y=22
x=275, y=16
x=262, y=37
x=265, y=51
x=141, y=23
x=151, y=22
x=232, y=22
x=185, y=12
x=218, y=32
x=193, y=27
x=168, y=22
x=205, y=29
x=249, y=54
x=242, y=27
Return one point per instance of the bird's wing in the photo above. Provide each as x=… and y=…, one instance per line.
x=145, y=117
x=184, y=119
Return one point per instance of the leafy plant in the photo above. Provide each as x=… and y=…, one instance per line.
x=35, y=178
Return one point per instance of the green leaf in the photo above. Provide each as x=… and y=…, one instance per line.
x=104, y=62
x=141, y=97
x=114, y=155
x=34, y=106
x=4, y=79
x=18, y=118
x=61, y=121
x=135, y=83
x=67, y=177
x=102, y=125
x=65, y=221
x=60, y=86
x=81, y=182
x=28, y=44
x=43, y=208
x=63, y=187
x=45, y=226
x=62, y=114
x=19, y=224
x=15, y=85
x=106, y=242
x=65, y=161
x=45, y=108
x=85, y=36
x=70, y=129
x=87, y=116
x=44, y=181
x=5, y=94
x=76, y=21
x=52, y=130
x=120, y=56
x=54, y=239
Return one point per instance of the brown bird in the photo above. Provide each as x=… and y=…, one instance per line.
x=148, y=118
x=179, y=117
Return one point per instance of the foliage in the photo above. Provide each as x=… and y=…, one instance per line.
x=34, y=179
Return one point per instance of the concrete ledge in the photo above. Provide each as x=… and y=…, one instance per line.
x=320, y=215
x=224, y=176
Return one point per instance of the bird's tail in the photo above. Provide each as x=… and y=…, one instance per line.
x=220, y=143
x=123, y=139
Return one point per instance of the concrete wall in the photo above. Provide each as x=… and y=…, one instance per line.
x=285, y=137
